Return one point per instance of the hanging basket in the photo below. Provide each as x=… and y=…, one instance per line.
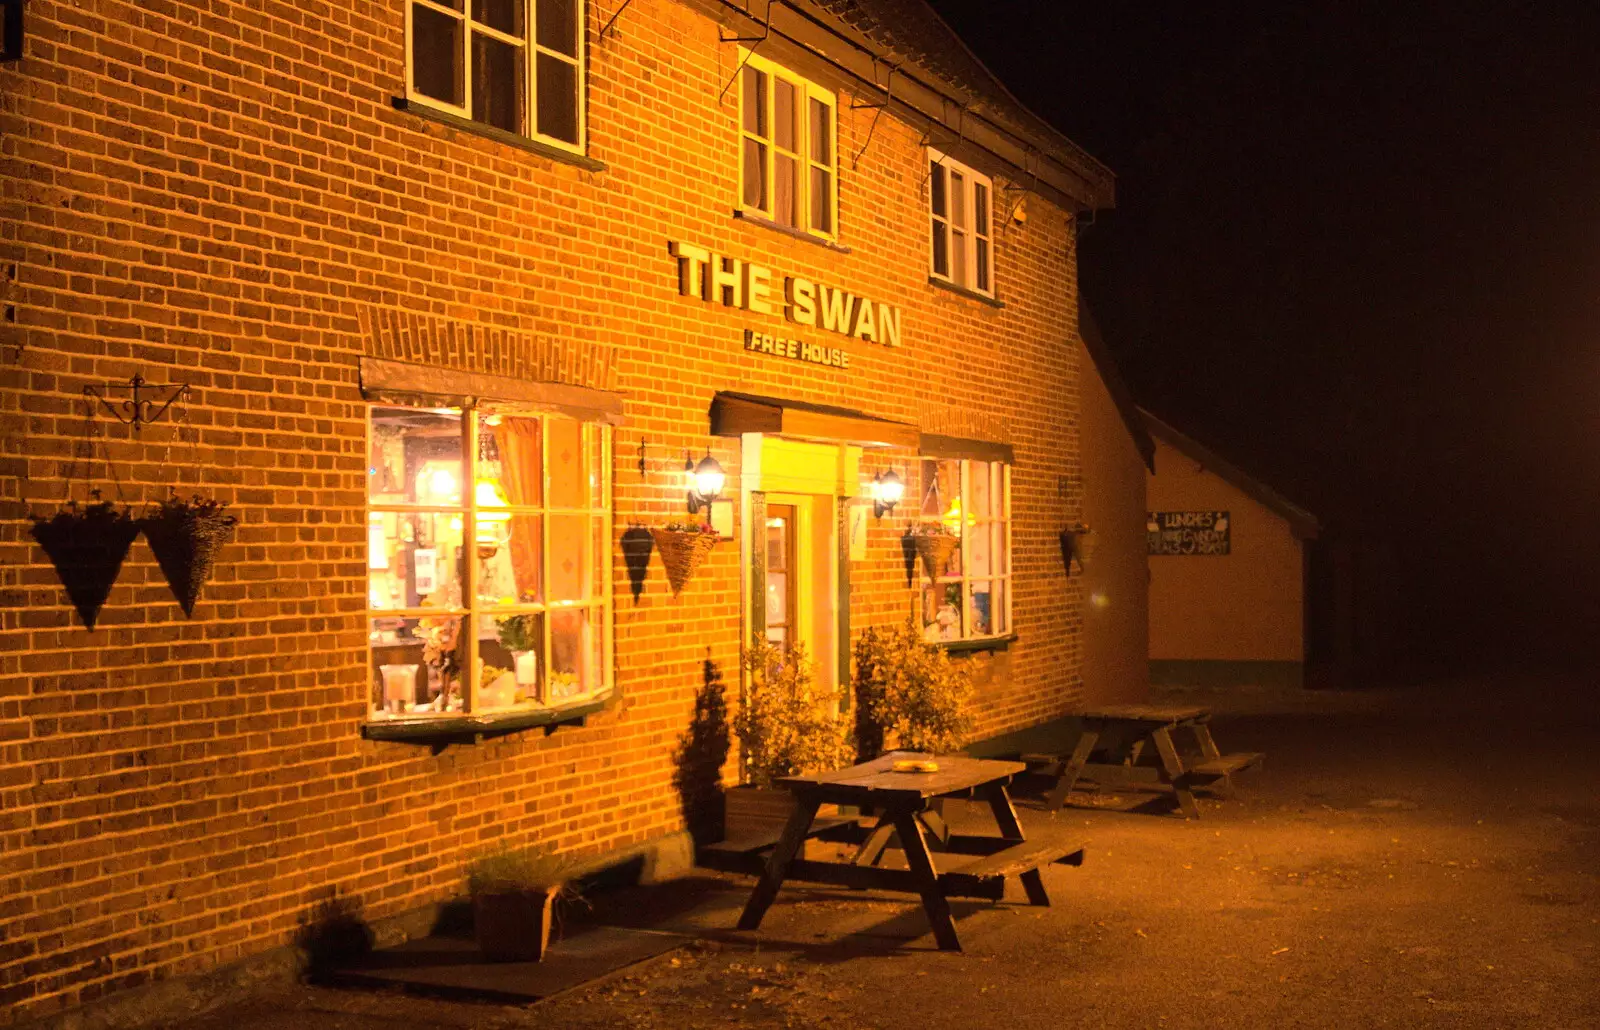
x=87, y=546
x=682, y=551
x=935, y=550
x=187, y=536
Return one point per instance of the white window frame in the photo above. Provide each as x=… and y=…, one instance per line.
x=472, y=610
x=978, y=260
x=530, y=49
x=806, y=93
x=969, y=526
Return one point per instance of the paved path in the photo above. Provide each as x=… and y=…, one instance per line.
x=1419, y=859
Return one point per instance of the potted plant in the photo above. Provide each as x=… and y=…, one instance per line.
x=513, y=893
x=909, y=694
x=683, y=546
x=935, y=543
x=186, y=535
x=87, y=545
x=786, y=727
x=520, y=635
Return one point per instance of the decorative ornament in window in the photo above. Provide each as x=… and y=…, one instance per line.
x=965, y=589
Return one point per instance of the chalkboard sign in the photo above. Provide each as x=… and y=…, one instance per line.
x=1188, y=532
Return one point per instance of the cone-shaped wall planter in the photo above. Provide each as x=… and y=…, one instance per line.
x=682, y=551
x=87, y=546
x=935, y=550
x=187, y=536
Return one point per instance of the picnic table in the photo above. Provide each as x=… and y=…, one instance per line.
x=907, y=807
x=1113, y=737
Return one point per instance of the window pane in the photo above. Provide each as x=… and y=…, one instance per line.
x=574, y=670
x=569, y=476
x=982, y=265
x=504, y=15
x=941, y=490
x=941, y=248
x=436, y=54
x=985, y=594
x=979, y=539
x=755, y=174
x=496, y=83
x=602, y=559
x=821, y=199
x=414, y=457
x=557, y=22
x=754, y=98
x=821, y=133
x=570, y=579
x=958, y=257
x=777, y=599
x=941, y=612
x=558, y=98
x=958, y=200
x=413, y=560
x=980, y=209
x=785, y=201
x=982, y=488
x=508, y=549
x=783, y=114
x=509, y=462
x=936, y=189
x=416, y=665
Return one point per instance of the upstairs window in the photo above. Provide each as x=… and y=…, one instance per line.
x=963, y=246
x=788, y=167
x=479, y=59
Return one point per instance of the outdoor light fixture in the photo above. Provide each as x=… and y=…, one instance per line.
x=887, y=490
x=706, y=480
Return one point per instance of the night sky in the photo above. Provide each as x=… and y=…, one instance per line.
x=1357, y=249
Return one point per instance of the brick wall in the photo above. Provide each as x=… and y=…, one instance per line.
x=222, y=193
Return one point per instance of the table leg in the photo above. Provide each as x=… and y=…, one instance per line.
x=1074, y=768
x=1005, y=816
x=920, y=862
x=1172, y=765
x=789, y=845
x=1209, y=749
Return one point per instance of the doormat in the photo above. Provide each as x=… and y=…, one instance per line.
x=450, y=967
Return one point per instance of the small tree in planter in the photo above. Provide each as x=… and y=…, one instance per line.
x=909, y=694
x=186, y=535
x=87, y=545
x=785, y=728
x=513, y=901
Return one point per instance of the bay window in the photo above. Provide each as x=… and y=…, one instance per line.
x=488, y=561
x=515, y=65
x=962, y=247
x=970, y=598
x=788, y=166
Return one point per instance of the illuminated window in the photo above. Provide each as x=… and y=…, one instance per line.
x=960, y=200
x=498, y=521
x=788, y=167
x=477, y=59
x=970, y=598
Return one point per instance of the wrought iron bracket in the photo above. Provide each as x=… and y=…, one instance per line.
x=138, y=410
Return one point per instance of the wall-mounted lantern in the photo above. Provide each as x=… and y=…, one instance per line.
x=887, y=490
x=706, y=480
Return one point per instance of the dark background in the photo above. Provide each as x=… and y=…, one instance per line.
x=1357, y=250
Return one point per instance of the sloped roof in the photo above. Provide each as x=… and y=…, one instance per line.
x=1132, y=414
x=1301, y=522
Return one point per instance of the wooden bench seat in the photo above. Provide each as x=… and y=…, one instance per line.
x=746, y=853
x=1227, y=765
x=1025, y=855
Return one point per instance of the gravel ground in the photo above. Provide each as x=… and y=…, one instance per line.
x=1424, y=857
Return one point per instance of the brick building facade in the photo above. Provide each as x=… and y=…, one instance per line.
x=338, y=235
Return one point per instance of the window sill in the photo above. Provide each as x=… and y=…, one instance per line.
x=510, y=139
x=964, y=292
x=961, y=647
x=440, y=733
x=788, y=230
